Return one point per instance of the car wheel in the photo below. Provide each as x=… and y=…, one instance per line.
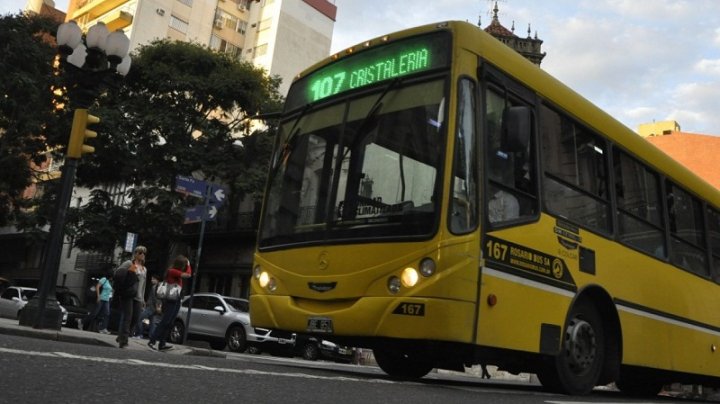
x=402, y=365
x=176, y=333
x=236, y=339
x=310, y=351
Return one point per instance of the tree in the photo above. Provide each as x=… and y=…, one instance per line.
x=181, y=108
x=31, y=122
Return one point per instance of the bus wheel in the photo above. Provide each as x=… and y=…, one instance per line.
x=576, y=369
x=638, y=386
x=401, y=365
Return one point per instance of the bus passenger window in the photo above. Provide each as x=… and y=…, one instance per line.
x=686, y=230
x=511, y=189
x=713, y=218
x=575, y=163
x=637, y=190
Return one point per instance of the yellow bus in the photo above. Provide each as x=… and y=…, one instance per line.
x=436, y=197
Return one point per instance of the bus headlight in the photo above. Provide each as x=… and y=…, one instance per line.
x=393, y=284
x=427, y=267
x=409, y=277
x=272, y=285
x=264, y=279
x=257, y=271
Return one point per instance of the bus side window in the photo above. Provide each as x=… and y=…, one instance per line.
x=686, y=230
x=714, y=235
x=639, y=207
x=511, y=190
x=575, y=178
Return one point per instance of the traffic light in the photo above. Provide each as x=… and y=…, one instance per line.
x=80, y=132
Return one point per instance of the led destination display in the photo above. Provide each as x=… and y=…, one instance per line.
x=396, y=59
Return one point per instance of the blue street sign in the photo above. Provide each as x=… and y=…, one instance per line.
x=195, y=214
x=217, y=195
x=190, y=186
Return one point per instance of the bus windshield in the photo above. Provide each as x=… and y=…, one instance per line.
x=359, y=168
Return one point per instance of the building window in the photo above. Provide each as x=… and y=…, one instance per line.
x=178, y=24
x=242, y=27
x=221, y=45
x=188, y=3
x=261, y=50
x=265, y=24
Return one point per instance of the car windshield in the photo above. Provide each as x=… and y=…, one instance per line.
x=238, y=305
x=366, y=167
x=68, y=299
x=27, y=294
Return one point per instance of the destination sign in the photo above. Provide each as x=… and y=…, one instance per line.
x=396, y=59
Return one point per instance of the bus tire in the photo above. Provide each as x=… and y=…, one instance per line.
x=577, y=367
x=635, y=385
x=401, y=365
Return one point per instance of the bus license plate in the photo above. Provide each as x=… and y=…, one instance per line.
x=320, y=324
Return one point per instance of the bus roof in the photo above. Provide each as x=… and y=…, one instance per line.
x=477, y=41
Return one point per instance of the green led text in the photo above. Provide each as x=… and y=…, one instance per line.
x=362, y=74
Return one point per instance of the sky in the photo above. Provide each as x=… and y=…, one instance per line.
x=641, y=61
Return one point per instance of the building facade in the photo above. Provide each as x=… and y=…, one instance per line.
x=530, y=48
x=282, y=36
x=697, y=152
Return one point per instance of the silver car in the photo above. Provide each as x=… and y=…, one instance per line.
x=220, y=320
x=14, y=298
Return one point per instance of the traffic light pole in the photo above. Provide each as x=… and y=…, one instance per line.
x=43, y=311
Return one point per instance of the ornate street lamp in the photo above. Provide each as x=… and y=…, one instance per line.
x=90, y=66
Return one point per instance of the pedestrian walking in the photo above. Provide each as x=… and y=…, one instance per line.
x=103, y=293
x=152, y=310
x=127, y=284
x=174, y=275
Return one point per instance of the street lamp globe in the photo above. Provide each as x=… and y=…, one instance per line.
x=97, y=36
x=124, y=67
x=69, y=36
x=116, y=47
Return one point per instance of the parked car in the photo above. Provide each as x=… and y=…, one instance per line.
x=14, y=299
x=4, y=284
x=312, y=348
x=220, y=320
x=71, y=302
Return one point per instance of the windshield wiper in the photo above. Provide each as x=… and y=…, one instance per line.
x=294, y=130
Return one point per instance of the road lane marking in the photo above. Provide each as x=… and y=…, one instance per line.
x=138, y=362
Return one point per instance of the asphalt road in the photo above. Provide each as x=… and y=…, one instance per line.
x=39, y=371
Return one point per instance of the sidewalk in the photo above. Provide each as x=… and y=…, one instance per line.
x=77, y=336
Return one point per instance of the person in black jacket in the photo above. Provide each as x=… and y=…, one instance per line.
x=126, y=287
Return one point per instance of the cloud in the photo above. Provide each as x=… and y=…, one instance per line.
x=706, y=66
x=695, y=107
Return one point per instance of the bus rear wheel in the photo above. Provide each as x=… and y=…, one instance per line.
x=577, y=367
x=401, y=365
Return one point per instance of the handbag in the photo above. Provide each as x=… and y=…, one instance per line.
x=168, y=291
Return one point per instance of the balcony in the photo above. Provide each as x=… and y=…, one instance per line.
x=117, y=20
x=92, y=9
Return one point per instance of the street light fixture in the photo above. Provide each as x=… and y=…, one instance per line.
x=90, y=65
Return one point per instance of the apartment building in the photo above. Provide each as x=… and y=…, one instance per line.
x=282, y=36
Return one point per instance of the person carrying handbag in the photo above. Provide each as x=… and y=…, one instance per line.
x=174, y=276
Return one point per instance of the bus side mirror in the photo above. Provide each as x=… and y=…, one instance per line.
x=517, y=127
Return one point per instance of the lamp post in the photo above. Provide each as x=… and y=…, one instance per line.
x=103, y=56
